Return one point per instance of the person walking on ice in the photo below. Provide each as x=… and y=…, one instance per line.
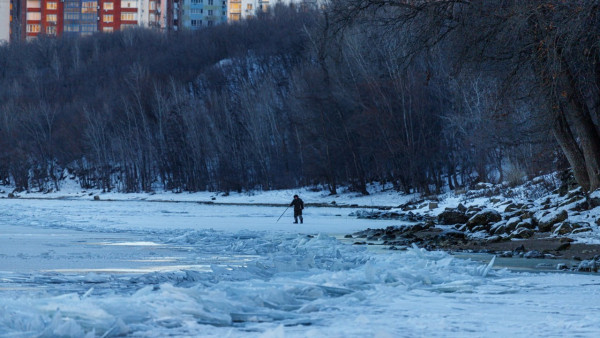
x=298, y=206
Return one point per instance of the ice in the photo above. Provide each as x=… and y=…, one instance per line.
x=79, y=268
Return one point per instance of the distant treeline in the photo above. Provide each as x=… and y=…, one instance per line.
x=292, y=97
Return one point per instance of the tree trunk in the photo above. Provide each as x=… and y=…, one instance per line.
x=567, y=142
x=578, y=114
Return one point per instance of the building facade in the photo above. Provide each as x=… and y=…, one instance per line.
x=82, y=17
x=196, y=14
x=27, y=19
x=5, y=19
x=244, y=9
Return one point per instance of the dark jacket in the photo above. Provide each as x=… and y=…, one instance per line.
x=298, y=204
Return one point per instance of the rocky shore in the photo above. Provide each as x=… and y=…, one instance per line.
x=555, y=226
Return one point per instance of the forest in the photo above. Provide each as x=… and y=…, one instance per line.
x=420, y=94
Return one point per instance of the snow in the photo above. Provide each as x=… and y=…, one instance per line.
x=163, y=265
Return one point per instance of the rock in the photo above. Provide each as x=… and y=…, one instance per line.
x=527, y=224
x=11, y=195
x=495, y=200
x=511, y=224
x=420, y=227
x=96, y=198
x=546, y=222
x=580, y=230
x=499, y=228
x=451, y=217
x=561, y=266
x=588, y=266
x=348, y=236
x=494, y=239
x=485, y=228
x=461, y=208
x=522, y=233
x=563, y=246
x=533, y=254
x=567, y=227
x=472, y=210
x=481, y=186
x=511, y=207
x=484, y=218
x=525, y=214
x=433, y=205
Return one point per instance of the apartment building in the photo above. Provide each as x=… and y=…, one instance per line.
x=81, y=17
x=116, y=15
x=196, y=14
x=26, y=19
x=5, y=19
x=244, y=9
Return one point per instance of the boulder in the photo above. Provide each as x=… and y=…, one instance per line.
x=522, y=233
x=546, y=222
x=499, y=228
x=452, y=216
x=527, y=224
x=484, y=217
x=511, y=207
x=511, y=224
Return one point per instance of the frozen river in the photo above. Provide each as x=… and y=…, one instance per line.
x=154, y=269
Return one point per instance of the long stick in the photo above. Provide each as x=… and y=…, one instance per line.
x=282, y=213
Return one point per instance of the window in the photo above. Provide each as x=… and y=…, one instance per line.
x=196, y=11
x=126, y=26
x=51, y=30
x=210, y=2
x=89, y=7
x=51, y=18
x=128, y=16
x=109, y=6
x=34, y=4
x=71, y=28
x=249, y=7
x=33, y=28
x=72, y=16
x=34, y=16
x=152, y=5
x=107, y=18
x=88, y=28
x=210, y=12
x=195, y=23
x=195, y=2
x=51, y=5
x=107, y=29
x=235, y=7
x=128, y=4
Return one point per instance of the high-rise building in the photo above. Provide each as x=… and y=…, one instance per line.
x=26, y=19
x=5, y=20
x=244, y=9
x=202, y=13
x=82, y=17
